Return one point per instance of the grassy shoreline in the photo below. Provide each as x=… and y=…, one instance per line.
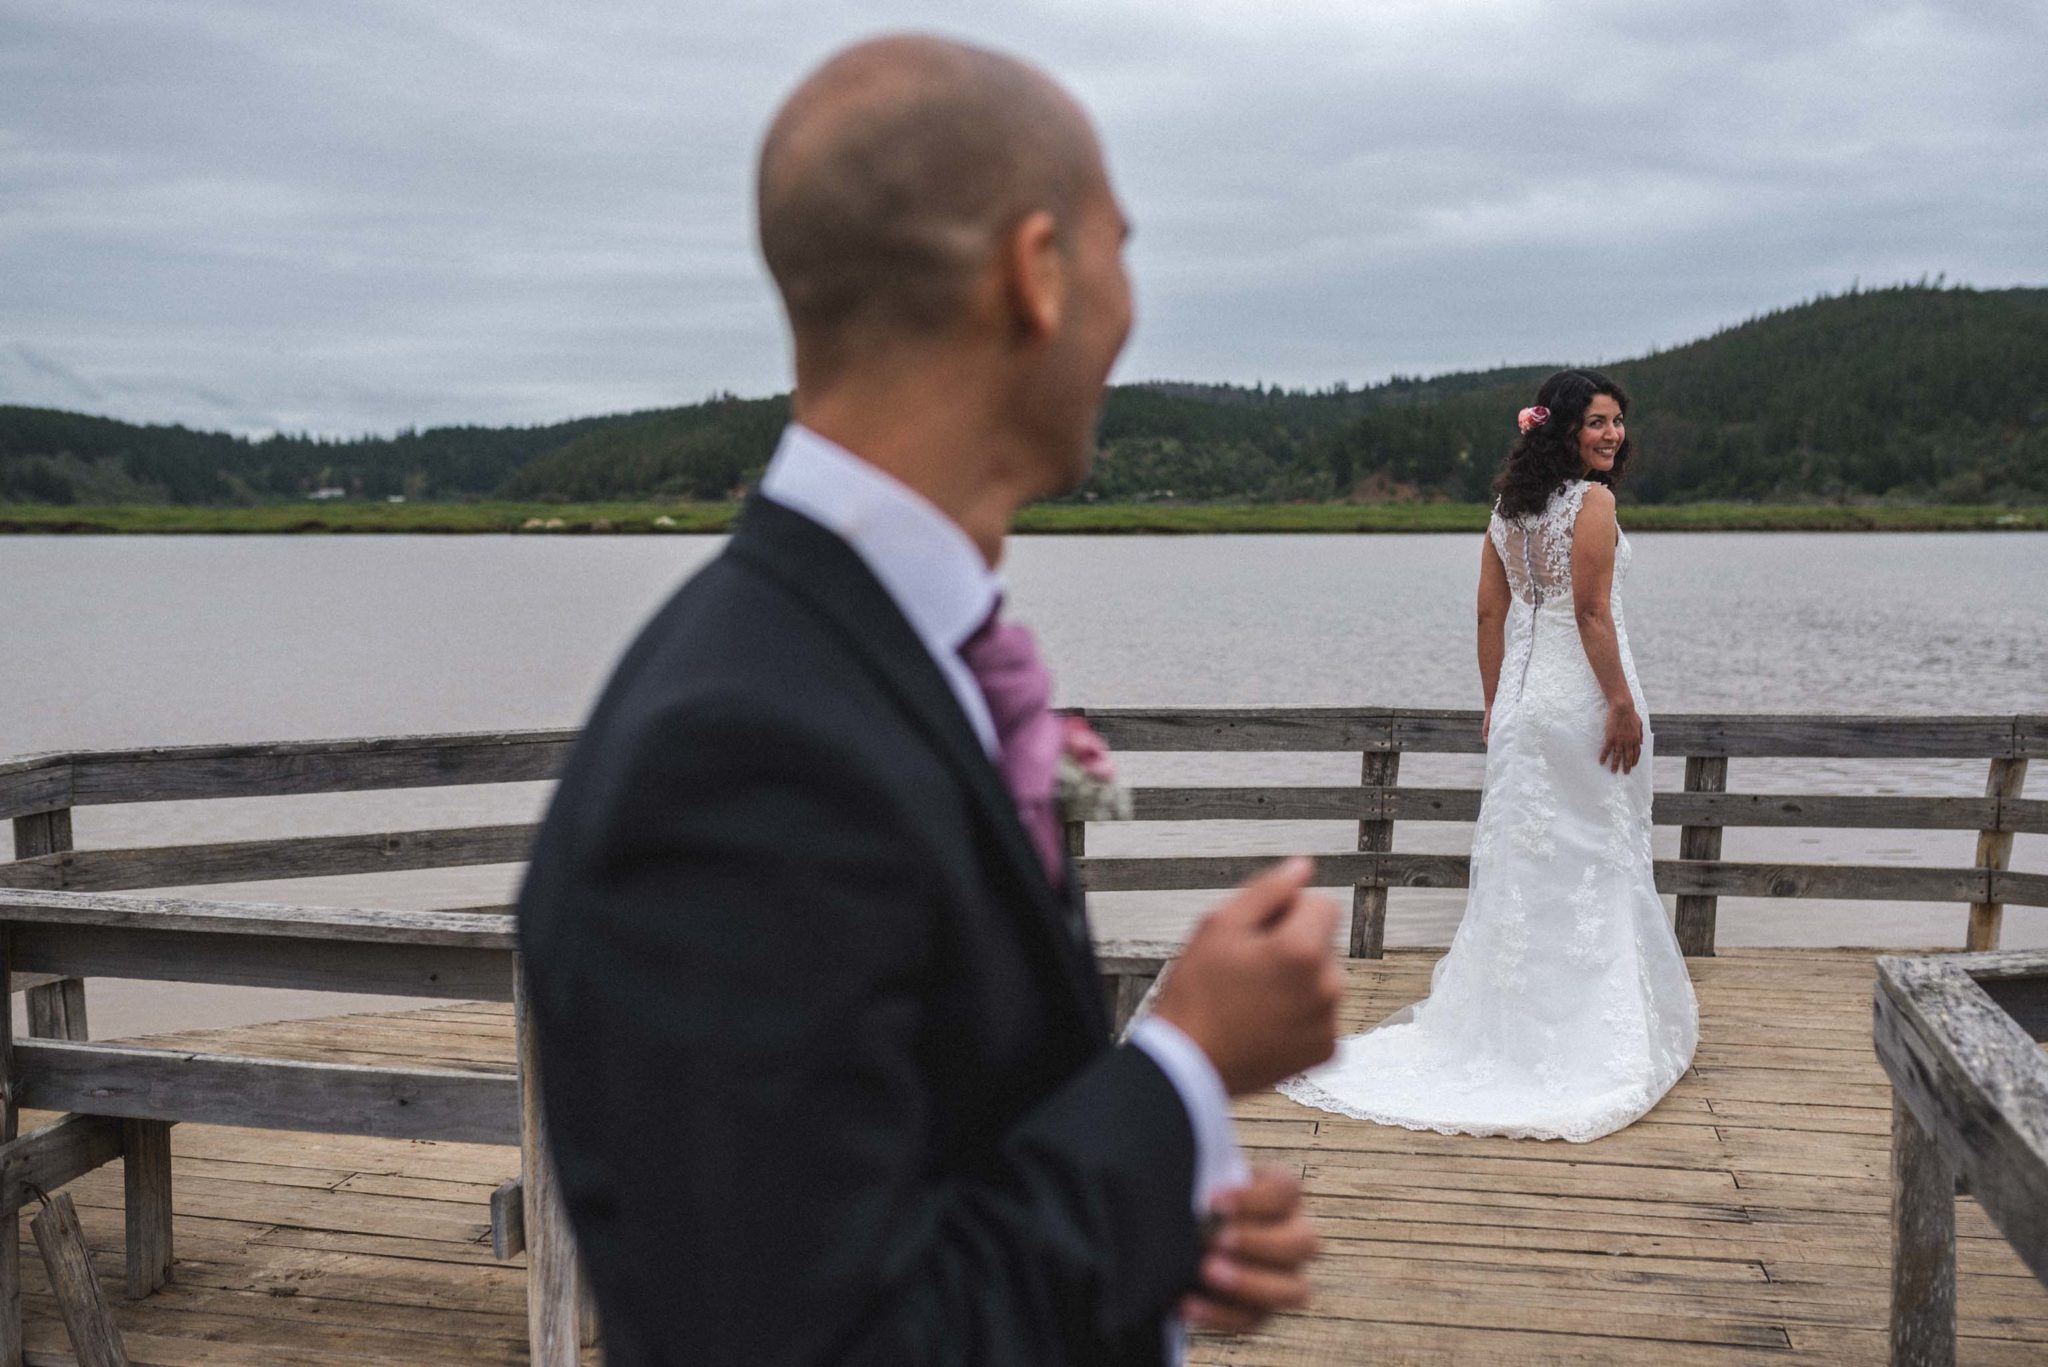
x=1056, y=519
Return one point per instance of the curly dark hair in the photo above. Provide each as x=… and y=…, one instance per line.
x=1547, y=455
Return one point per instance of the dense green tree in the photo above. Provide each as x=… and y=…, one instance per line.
x=707, y=451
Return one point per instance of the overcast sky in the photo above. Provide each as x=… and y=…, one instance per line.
x=359, y=215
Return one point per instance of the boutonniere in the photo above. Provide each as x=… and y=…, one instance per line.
x=1088, y=788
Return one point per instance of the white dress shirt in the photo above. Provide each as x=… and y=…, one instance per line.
x=927, y=564
x=945, y=590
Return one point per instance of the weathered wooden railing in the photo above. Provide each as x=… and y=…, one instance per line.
x=1702, y=810
x=1960, y=1036
x=59, y=926
x=39, y=793
x=120, y=1101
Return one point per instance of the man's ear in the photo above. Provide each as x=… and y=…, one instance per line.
x=1035, y=277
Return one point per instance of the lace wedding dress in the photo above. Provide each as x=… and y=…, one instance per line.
x=1563, y=1009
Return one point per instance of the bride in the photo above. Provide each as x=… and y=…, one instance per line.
x=1563, y=1009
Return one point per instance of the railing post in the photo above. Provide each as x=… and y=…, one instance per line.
x=10, y=1233
x=1703, y=774
x=146, y=1203
x=1369, y=898
x=1122, y=993
x=1118, y=992
x=42, y=833
x=2007, y=779
x=88, y=1322
x=1923, y=1246
x=554, y=1300
x=55, y=1010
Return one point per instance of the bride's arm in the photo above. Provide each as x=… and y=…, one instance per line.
x=1494, y=597
x=1592, y=586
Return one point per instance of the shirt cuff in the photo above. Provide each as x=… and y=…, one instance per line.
x=1219, y=1163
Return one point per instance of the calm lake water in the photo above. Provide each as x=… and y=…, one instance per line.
x=109, y=642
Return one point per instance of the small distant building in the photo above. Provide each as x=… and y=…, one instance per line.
x=321, y=495
x=394, y=498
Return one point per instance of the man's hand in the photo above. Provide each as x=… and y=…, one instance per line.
x=1255, y=1265
x=1257, y=986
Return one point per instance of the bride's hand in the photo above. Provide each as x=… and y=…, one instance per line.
x=1622, y=746
x=1486, y=726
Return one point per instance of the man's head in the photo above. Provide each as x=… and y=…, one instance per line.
x=919, y=198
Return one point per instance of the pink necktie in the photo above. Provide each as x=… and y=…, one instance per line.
x=1004, y=660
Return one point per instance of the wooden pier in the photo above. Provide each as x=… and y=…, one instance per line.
x=346, y=1190
x=1745, y=1220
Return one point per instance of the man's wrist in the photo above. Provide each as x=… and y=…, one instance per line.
x=1191, y=1032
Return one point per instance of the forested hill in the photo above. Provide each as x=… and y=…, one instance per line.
x=1914, y=393
x=1939, y=395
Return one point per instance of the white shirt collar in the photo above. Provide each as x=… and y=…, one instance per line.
x=927, y=564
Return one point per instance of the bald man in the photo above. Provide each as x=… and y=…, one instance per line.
x=827, y=1069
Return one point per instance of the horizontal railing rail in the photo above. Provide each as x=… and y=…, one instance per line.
x=257, y=861
x=46, y=783
x=260, y=861
x=1735, y=735
x=1358, y=803
x=1862, y=882
x=461, y=955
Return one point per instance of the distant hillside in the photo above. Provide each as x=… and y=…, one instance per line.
x=49, y=456
x=704, y=451
x=1930, y=394
x=1909, y=393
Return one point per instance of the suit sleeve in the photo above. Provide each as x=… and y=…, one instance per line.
x=738, y=1046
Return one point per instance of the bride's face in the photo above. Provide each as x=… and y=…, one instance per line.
x=1600, y=435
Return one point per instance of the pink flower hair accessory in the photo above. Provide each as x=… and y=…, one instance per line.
x=1532, y=417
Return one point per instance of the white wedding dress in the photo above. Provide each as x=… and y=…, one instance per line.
x=1563, y=1009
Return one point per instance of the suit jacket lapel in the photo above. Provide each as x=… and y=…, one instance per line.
x=820, y=568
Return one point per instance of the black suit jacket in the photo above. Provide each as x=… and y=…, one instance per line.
x=825, y=1062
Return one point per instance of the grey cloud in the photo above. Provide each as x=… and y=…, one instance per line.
x=367, y=216
x=44, y=372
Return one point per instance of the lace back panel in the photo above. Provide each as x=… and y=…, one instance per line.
x=1537, y=549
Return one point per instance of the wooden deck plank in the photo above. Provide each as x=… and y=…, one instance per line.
x=1742, y=1222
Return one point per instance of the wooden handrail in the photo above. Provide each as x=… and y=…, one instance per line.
x=1283, y=803
x=279, y=768
x=1684, y=877
x=355, y=925
x=1745, y=735
x=1958, y=1036
x=39, y=793
x=256, y=861
x=253, y=861
x=45, y=783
